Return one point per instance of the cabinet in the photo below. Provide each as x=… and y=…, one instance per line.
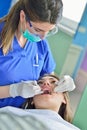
x=71, y=60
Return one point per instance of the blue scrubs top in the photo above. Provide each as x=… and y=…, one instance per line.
x=27, y=63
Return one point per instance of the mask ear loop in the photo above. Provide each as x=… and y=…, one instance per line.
x=27, y=19
x=21, y=30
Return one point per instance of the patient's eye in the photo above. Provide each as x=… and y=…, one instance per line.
x=53, y=82
x=40, y=82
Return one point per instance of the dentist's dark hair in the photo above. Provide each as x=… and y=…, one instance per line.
x=44, y=10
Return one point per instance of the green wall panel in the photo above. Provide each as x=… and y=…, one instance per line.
x=80, y=118
x=60, y=44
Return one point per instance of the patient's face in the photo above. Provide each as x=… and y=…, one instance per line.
x=47, y=84
x=49, y=99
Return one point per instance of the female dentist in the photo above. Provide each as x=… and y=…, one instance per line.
x=24, y=52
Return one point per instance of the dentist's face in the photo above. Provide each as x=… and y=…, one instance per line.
x=41, y=28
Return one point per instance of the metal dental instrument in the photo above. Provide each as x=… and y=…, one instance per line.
x=65, y=84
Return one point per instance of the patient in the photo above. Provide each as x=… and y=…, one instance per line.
x=55, y=101
x=47, y=111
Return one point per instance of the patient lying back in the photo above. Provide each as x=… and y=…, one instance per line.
x=50, y=100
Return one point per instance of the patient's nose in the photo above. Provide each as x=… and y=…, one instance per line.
x=46, y=85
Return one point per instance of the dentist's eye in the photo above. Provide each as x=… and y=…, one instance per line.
x=37, y=29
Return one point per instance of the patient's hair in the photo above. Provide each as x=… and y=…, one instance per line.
x=65, y=109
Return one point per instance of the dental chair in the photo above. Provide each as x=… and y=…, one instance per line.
x=80, y=118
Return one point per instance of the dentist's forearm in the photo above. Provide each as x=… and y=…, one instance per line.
x=4, y=91
x=24, y=89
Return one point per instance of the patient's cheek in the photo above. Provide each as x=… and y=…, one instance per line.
x=41, y=102
x=44, y=101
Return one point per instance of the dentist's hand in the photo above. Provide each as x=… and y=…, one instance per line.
x=25, y=89
x=65, y=84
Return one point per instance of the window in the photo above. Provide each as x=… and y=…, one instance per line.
x=72, y=13
x=73, y=9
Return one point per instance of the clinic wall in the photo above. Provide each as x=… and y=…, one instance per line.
x=84, y=63
x=60, y=44
x=80, y=39
x=84, y=23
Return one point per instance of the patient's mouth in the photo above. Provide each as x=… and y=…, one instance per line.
x=46, y=92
